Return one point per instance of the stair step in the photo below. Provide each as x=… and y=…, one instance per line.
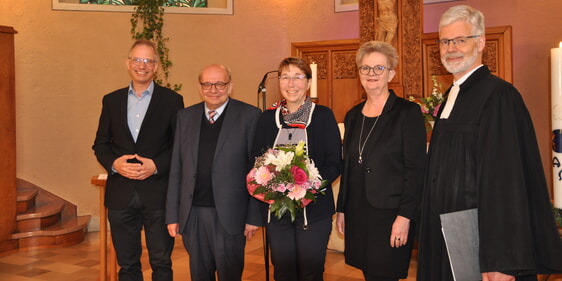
x=45, y=214
x=69, y=231
x=46, y=220
x=25, y=199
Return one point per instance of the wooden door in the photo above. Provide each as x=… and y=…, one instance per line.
x=338, y=86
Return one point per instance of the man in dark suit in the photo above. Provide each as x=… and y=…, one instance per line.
x=134, y=144
x=207, y=198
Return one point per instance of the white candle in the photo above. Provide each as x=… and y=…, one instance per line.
x=313, y=84
x=556, y=103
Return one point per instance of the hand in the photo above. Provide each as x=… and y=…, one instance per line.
x=340, y=222
x=399, y=233
x=128, y=170
x=173, y=229
x=496, y=276
x=250, y=231
x=147, y=169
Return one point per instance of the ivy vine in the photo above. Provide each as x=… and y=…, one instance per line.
x=149, y=18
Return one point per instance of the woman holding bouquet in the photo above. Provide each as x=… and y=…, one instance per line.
x=383, y=169
x=298, y=248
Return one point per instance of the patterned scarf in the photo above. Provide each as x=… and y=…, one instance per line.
x=297, y=119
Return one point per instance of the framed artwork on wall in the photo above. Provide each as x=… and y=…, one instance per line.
x=346, y=5
x=211, y=7
x=437, y=1
x=353, y=5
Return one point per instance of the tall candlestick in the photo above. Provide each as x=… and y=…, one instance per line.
x=313, y=84
x=556, y=100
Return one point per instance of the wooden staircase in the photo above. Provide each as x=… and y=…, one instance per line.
x=45, y=220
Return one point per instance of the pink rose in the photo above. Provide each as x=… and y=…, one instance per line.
x=299, y=175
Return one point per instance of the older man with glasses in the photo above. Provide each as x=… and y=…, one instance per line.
x=484, y=155
x=208, y=204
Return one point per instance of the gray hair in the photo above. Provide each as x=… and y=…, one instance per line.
x=378, y=47
x=464, y=13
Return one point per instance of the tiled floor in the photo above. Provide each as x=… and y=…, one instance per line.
x=81, y=263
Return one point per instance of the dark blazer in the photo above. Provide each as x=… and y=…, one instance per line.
x=394, y=163
x=232, y=162
x=155, y=139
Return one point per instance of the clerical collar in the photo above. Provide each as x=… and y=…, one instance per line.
x=464, y=77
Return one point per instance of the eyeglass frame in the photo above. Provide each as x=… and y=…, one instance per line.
x=218, y=85
x=379, y=68
x=443, y=43
x=296, y=79
x=137, y=61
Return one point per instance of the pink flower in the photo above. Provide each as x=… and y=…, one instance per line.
x=424, y=109
x=263, y=176
x=297, y=193
x=290, y=186
x=299, y=175
x=280, y=188
x=436, y=110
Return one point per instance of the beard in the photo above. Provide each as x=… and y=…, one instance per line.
x=462, y=66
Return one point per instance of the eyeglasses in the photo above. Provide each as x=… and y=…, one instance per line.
x=296, y=79
x=458, y=41
x=218, y=85
x=138, y=61
x=377, y=69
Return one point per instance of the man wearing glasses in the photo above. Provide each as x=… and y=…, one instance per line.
x=134, y=144
x=207, y=200
x=484, y=154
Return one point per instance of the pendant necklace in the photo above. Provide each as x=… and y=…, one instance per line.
x=291, y=133
x=362, y=147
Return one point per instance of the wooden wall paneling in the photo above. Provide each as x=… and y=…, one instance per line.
x=7, y=139
x=497, y=56
x=407, y=15
x=338, y=86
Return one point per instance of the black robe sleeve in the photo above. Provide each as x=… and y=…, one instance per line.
x=517, y=231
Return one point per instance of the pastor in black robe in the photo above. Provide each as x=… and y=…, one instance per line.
x=486, y=156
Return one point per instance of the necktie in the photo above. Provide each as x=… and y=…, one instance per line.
x=212, y=114
x=450, y=101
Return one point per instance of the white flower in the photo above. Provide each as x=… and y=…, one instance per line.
x=313, y=173
x=280, y=160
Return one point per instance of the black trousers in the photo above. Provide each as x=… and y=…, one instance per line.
x=211, y=249
x=369, y=277
x=298, y=254
x=126, y=226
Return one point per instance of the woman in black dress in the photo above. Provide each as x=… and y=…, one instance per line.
x=384, y=158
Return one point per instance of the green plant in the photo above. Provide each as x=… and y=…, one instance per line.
x=149, y=17
x=430, y=105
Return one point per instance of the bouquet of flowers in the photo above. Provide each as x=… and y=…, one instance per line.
x=430, y=105
x=285, y=178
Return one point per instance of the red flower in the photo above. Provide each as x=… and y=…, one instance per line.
x=299, y=175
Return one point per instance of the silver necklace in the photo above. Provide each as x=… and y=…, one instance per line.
x=362, y=147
